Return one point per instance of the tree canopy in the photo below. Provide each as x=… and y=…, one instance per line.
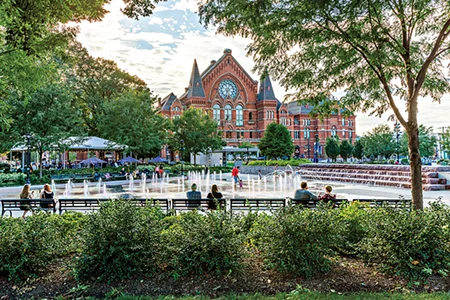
x=276, y=142
x=132, y=120
x=379, y=142
x=332, y=148
x=345, y=149
x=382, y=53
x=199, y=133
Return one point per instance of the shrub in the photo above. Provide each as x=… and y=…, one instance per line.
x=290, y=162
x=27, y=247
x=298, y=240
x=414, y=245
x=119, y=241
x=197, y=244
x=351, y=225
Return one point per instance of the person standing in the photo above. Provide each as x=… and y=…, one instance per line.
x=25, y=205
x=47, y=198
x=214, y=194
x=235, y=175
x=303, y=193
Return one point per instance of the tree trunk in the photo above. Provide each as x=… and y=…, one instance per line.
x=195, y=159
x=416, y=167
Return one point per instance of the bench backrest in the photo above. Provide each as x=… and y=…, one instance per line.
x=309, y=203
x=243, y=204
x=188, y=204
x=15, y=204
x=396, y=203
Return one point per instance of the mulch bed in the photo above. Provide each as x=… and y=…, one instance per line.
x=346, y=276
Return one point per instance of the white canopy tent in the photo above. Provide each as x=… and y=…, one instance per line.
x=78, y=144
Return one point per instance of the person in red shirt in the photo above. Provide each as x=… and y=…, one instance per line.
x=235, y=175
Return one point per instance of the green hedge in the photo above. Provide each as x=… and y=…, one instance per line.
x=291, y=162
x=122, y=241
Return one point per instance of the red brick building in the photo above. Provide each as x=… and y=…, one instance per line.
x=243, y=108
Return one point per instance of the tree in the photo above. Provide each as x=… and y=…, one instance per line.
x=98, y=81
x=131, y=119
x=376, y=51
x=345, y=149
x=427, y=142
x=36, y=25
x=358, y=149
x=198, y=132
x=276, y=142
x=379, y=142
x=445, y=139
x=332, y=148
x=48, y=115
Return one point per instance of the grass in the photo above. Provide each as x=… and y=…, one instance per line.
x=307, y=296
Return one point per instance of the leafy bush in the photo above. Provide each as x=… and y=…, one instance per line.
x=119, y=241
x=12, y=179
x=28, y=246
x=197, y=244
x=298, y=240
x=290, y=162
x=414, y=244
x=350, y=224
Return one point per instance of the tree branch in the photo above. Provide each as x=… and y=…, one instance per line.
x=420, y=78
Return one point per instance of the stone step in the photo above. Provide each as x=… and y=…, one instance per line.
x=388, y=177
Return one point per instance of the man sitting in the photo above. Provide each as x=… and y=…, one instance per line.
x=193, y=194
x=303, y=193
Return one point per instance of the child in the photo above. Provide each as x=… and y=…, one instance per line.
x=241, y=184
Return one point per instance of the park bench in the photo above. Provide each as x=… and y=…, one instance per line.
x=241, y=204
x=393, y=203
x=10, y=205
x=309, y=203
x=61, y=178
x=79, y=204
x=188, y=205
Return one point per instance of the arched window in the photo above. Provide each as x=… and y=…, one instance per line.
x=343, y=132
x=228, y=112
x=333, y=131
x=306, y=133
x=250, y=116
x=239, y=116
x=216, y=112
x=350, y=134
x=343, y=121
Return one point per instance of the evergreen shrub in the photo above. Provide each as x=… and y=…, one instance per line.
x=299, y=241
x=28, y=246
x=119, y=242
x=195, y=243
x=413, y=244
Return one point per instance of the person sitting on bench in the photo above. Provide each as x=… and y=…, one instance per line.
x=303, y=193
x=193, y=194
x=47, y=196
x=328, y=195
x=25, y=205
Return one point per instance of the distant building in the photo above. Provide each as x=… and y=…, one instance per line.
x=243, y=109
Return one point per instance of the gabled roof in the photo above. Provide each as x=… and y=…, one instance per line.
x=266, y=90
x=167, y=102
x=216, y=63
x=195, y=84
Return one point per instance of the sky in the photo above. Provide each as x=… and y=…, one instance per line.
x=161, y=50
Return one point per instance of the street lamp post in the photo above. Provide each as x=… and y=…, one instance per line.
x=397, y=134
x=309, y=146
x=316, y=149
x=28, y=160
x=181, y=153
